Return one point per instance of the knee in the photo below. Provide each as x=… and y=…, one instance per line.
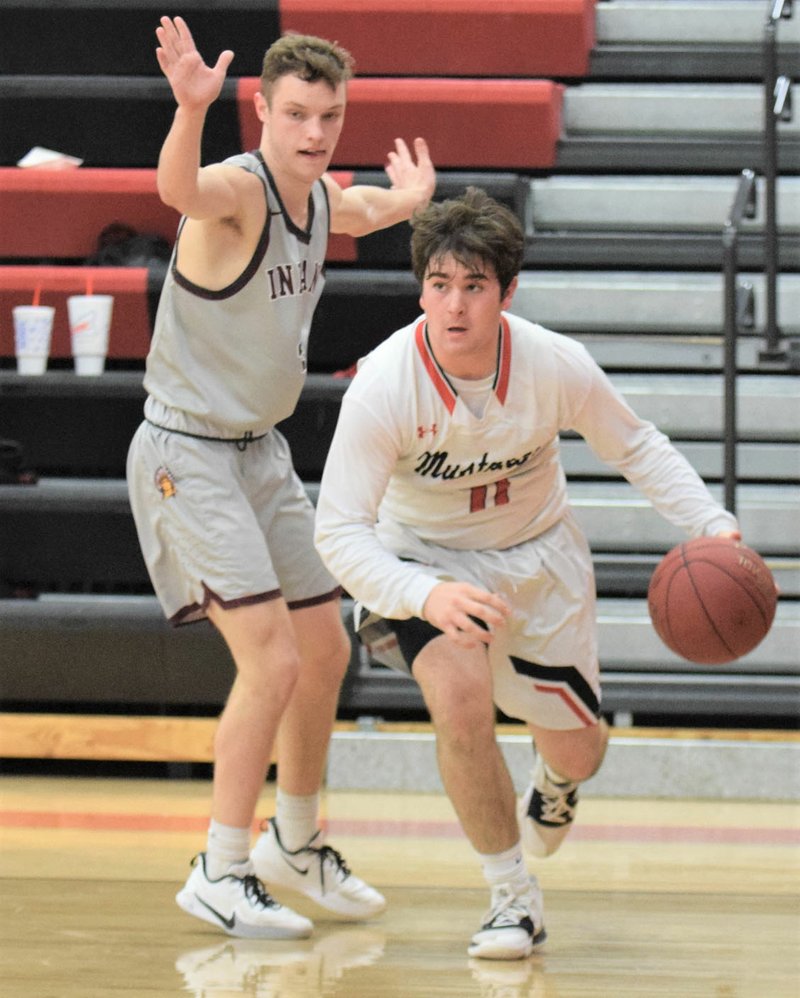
x=574, y=755
x=276, y=677
x=328, y=657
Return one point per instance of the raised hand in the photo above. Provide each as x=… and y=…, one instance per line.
x=405, y=174
x=194, y=84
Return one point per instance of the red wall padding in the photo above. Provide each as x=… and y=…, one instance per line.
x=453, y=37
x=130, y=321
x=60, y=213
x=469, y=124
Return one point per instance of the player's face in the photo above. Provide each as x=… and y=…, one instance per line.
x=463, y=306
x=302, y=124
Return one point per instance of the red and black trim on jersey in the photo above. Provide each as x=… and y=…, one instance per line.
x=439, y=378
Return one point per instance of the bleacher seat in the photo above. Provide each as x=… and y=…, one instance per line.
x=59, y=214
x=135, y=291
x=687, y=39
x=456, y=38
x=469, y=123
x=621, y=157
x=688, y=407
x=450, y=38
x=583, y=303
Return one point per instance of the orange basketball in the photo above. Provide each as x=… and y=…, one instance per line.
x=712, y=600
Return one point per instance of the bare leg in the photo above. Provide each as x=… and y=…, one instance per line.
x=457, y=686
x=303, y=741
x=576, y=755
x=305, y=731
x=261, y=640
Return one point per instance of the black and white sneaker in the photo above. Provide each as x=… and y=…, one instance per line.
x=546, y=812
x=513, y=926
x=239, y=904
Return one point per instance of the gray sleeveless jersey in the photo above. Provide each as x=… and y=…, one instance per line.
x=232, y=362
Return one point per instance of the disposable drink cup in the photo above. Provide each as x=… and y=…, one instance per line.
x=89, y=323
x=33, y=329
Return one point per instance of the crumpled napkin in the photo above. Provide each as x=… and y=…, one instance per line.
x=48, y=159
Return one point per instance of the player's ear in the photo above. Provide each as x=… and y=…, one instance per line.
x=260, y=102
x=504, y=304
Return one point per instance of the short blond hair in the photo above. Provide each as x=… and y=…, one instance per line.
x=308, y=57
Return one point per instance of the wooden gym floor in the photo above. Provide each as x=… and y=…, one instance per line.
x=647, y=898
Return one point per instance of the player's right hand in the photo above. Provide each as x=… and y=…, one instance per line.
x=452, y=607
x=194, y=84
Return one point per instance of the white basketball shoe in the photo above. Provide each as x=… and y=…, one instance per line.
x=315, y=870
x=239, y=904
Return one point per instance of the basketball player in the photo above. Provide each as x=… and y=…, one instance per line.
x=443, y=510
x=224, y=523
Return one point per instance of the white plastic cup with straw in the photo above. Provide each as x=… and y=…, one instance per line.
x=89, y=325
x=33, y=330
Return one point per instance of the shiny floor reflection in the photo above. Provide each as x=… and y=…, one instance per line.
x=653, y=899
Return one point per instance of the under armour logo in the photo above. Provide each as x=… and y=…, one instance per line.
x=421, y=431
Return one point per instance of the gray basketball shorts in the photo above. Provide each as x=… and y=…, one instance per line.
x=544, y=659
x=216, y=521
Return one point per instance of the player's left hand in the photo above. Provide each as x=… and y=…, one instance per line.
x=406, y=174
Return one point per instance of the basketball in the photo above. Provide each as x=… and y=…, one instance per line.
x=712, y=600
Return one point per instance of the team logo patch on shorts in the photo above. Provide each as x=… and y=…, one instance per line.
x=165, y=482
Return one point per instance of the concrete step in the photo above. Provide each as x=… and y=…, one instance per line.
x=646, y=302
x=672, y=109
x=652, y=204
x=695, y=22
x=661, y=764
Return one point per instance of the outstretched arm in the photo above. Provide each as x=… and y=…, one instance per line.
x=195, y=86
x=362, y=209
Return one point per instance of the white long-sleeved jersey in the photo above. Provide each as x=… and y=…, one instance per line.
x=408, y=453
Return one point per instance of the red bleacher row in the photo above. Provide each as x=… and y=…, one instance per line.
x=470, y=124
x=453, y=37
x=460, y=95
x=130, y=323
x=60, y=213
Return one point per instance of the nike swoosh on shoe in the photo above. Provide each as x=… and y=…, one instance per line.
x=229, y=923
x=303, y=873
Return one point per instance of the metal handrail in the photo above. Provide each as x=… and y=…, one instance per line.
x=777, y=105
x=744, y=206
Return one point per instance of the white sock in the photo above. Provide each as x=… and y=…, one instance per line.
x=226, y=845
x=555, y=777
x=506, y=867
x=296, y=818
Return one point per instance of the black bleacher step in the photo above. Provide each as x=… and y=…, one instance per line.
x=701, y=62
x=78, y=535
x=74, y=426
x=106, y=121
x=645, y=250
x=70, y=425
x=119, y=650
x=660, y=154
x=87, y=37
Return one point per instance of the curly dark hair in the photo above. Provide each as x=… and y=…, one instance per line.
x=473, y=228
x=308, y=57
